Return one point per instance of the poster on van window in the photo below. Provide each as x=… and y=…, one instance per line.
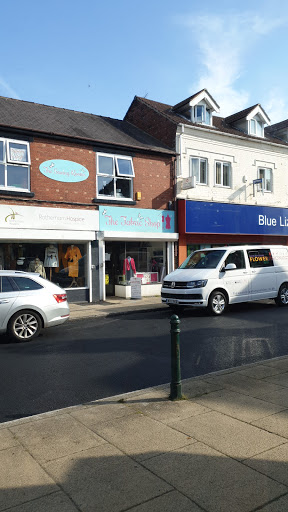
x=224, y=218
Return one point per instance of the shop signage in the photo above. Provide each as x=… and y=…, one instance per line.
x=34, y=217
x=136, y=219
x=64, y=170
x=222, y=218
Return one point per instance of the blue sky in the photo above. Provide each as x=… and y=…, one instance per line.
x=95, y=56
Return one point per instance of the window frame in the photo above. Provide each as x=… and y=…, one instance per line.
x=264, y=179
x=7, y=161
x=198, y=182
x=259, y=128
x=116, y=175
x=229, y=176
x=206, y=113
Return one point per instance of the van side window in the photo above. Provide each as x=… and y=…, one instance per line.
x=236, y=257
x=260, y=258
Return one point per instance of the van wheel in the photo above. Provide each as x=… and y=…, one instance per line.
x=24, y=325
x=217, y=303
x=282, y=297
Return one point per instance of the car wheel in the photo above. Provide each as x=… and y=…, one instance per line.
x=24, y=325
x=217, y=303
x=282, y=297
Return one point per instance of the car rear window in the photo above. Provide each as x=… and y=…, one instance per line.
x=5, y=285
x=24, y=283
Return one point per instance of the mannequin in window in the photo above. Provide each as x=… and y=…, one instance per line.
x=72, y=256
x=129, y=268
x=51, y=259
x=37, y=266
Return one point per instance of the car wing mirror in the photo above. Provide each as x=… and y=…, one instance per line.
x=230, y=266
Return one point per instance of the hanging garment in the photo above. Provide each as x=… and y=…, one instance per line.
x=129, y=265
x=51, y=256
x=72, y=256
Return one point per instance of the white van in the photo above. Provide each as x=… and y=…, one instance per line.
x=214, y=278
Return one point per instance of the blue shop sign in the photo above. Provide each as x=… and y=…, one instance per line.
x=136, y=219
x=220, y=218
x=64, y=170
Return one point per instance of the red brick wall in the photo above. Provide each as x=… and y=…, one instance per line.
x=151, y=122
x=153, y=178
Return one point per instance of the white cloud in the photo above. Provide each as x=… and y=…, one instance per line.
x=276, y=106
x=7, y=90
x=223, y=42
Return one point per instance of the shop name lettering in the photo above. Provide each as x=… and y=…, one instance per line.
x=54, y=170
x=263, y=220
x=125, y=221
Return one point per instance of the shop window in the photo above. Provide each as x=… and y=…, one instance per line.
x=63, y=264
x=223, y=174
x=115, y=175
x=14, y=165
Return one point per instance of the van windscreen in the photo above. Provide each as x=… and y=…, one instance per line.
x=203, y=259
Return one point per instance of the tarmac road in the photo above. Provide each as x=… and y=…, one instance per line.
x=99, y=357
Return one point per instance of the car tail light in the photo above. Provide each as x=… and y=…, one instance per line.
x=60, y=297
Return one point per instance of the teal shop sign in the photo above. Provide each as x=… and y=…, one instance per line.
x=136, y=219
x=64, y=170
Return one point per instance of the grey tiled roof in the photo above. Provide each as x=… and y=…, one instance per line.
x=46, y=120
x=220, y=124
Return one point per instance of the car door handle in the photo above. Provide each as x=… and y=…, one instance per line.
x=4, y=301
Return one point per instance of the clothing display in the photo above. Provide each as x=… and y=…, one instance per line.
x=38, y=267
x=129, y=268
x=72, y=256
x=51, y=256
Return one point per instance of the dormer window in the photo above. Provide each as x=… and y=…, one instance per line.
x=198, y=108
x=201, y=114
x=256, y=127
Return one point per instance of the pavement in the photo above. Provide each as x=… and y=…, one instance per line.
x=222, y=448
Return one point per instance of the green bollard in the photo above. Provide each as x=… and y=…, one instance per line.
x=175, y=386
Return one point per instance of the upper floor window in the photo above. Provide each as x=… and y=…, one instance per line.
x=266, y=175
x=223, y=174
x=14, y=165
x=114, y=176
x=256, y=128
x=201, y=114
x=198, y=168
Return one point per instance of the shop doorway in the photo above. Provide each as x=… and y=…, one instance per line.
x=113, y=271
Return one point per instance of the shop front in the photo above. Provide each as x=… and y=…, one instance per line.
x=208, y=224
x=135, y=243
x=54, y=242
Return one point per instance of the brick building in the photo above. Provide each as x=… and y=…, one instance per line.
x=231, y=178
x=84, y=191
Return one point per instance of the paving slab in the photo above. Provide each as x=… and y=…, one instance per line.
x=56, y=502
x=242, y=407
x=272, y=463
x=101, y=412
x=51, y=438
x=281, y=363
x=169, y=502
x=277, y=423
x=22, y=479
x=141, y=437
x=104, y=479
x=7, y=440
x=228, y=435
x=213, y=481
x=243, y=384
x=278, y=505
x=279, y=396
x=280, y=379
x=261, y=371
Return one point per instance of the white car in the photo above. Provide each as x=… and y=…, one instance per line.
x=28, y=302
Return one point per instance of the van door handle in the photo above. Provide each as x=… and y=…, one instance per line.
x=245, y=272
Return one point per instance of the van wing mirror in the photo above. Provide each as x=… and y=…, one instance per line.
x=230, y=266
